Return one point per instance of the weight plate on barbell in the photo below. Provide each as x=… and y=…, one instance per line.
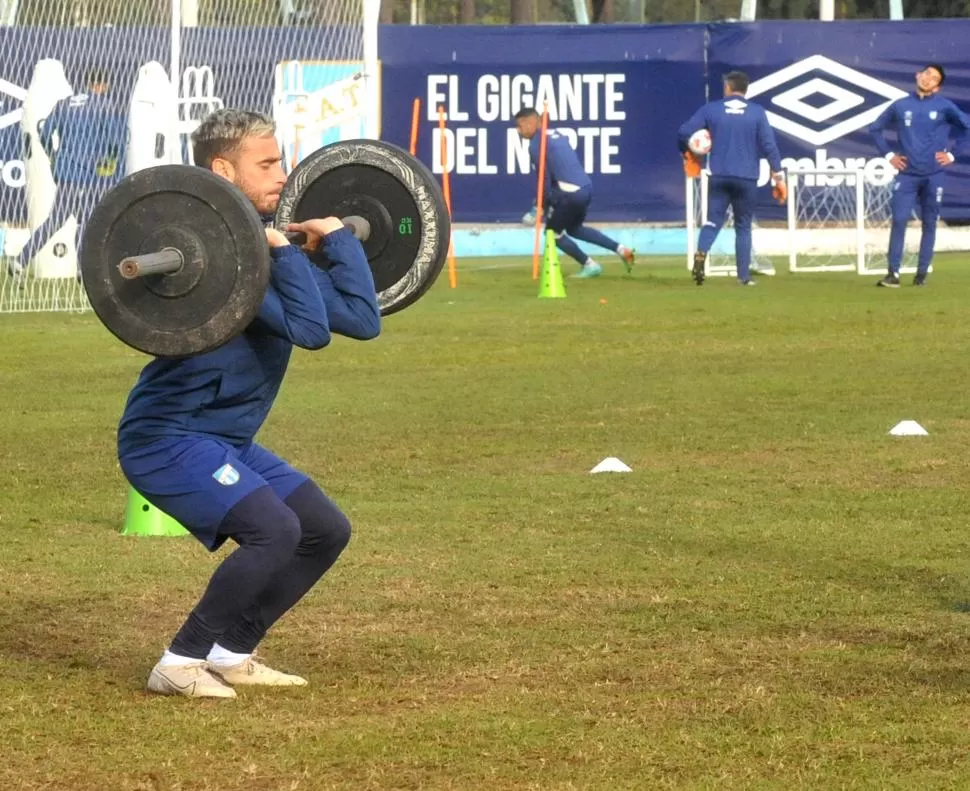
x=225, y=270
x=395, y=193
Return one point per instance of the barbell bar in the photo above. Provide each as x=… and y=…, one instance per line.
x=170, y=260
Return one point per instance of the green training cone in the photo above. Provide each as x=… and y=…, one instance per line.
x=144, y=519
x=550, y=281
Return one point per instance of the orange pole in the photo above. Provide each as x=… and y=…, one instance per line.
x=415, y=114
x=446, y=187
x=542, y=183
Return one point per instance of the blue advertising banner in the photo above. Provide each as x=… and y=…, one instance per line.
x=824, y=84
x=619, y=98
x=619, y=93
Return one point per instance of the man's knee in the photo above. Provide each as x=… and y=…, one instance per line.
x=262, y=520
x=326, y=525
x=339, y=529
x=322, y=522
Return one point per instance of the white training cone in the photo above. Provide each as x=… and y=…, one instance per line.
x=908, y=428
x=611, y=464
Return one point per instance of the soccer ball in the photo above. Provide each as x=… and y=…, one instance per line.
x=700, y=142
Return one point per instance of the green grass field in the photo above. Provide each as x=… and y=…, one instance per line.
x=776, y=596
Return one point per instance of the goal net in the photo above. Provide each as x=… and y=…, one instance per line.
x=94, y=90
x=837, y=221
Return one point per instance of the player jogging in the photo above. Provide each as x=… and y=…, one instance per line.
x=923, y=122
x=740, y=136
x=568, y=190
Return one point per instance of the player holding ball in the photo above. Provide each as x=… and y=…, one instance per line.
x=738, y=136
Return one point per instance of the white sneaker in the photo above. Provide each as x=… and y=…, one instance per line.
x=193, y=680
x=253, y=672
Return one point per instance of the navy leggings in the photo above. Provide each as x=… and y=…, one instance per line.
x=567, y=218
x=285, y=547
x=741, y=195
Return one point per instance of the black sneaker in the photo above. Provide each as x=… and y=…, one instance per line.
x=919, y=280
x=889, y=281
x=698, y=271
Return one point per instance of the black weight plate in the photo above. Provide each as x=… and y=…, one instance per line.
x=396, y=193
x=218, y=290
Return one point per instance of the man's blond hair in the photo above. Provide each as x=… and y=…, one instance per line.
x=221, y=134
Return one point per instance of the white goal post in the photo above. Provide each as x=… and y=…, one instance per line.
x=836, y=221
x=839, y=221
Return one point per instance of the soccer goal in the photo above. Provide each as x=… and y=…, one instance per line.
x=839, y=221
x=160, y=67
x=836, y=221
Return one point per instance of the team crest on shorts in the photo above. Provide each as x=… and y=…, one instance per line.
x=227, y=475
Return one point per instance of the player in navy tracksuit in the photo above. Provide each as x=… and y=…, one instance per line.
x=567, y=193
x=923, y=122
x=740, y=136
x=185, y=440
x=85, y=138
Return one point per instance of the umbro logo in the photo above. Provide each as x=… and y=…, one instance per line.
x=819, y=100
x=11, y=99
x=735, y=106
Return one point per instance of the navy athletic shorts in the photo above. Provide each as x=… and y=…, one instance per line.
x=197, y=480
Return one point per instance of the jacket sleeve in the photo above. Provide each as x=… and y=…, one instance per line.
x=886, y=120
x=347, y=287
x=697, y=121
x=960, y=124
x=293, y=307
x=767, y=143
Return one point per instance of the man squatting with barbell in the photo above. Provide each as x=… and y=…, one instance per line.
x=185, y=440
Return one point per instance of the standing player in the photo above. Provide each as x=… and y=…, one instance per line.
x=85, y=138
x=568, y=190
x=740, y=136
x=186, y=439
x=923, y=122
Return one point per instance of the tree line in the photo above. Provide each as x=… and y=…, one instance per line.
x=447, y=12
